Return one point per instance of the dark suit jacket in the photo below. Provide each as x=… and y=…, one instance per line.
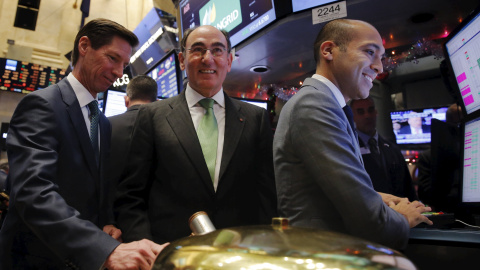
x=321, y=181
x=122, y=129
x=393, y=177
x=167, y=180
x=407, y=130
x=57, y=202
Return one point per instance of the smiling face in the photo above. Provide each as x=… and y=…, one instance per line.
x=353, y=69
x=98, y=69
x=206, y=72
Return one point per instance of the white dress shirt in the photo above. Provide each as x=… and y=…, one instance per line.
x=84, y=98
x=197, y=112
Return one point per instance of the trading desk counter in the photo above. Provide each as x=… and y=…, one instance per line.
x=431, y=248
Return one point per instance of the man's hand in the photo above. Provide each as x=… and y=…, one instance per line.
x=113, y=232
x=387, y=198
x=135, y=255
x=412, y=212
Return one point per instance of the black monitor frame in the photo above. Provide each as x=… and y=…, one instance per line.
x=460, y=27
x=105, y=99
x=417, y=146
x=466, y=205
x=178, y=71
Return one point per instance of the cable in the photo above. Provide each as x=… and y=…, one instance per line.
x=458, y=220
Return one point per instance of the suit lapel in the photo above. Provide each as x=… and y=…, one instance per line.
x=78, y=122
x=354, y=139
x=234, y=123
x=181, y=123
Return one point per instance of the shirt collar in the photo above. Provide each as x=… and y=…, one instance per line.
x=193, y=97
x=364, y=137
x=84, y=97
x=334, y=89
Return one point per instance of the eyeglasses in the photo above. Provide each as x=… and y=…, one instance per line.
x=200, y=51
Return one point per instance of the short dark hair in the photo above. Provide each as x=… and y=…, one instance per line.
x=367, y=98
x=187, y=33
x=142, y=87
x=339, y=31
x=101, y=32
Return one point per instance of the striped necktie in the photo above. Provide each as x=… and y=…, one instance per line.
x=207, y=133
x=94, y=117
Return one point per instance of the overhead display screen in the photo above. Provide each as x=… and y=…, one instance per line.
x=299, y=5
x=167, y=75
x=24, y=77
x=463, y=49
x=240, y=19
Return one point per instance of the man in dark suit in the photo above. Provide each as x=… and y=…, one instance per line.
x=57, y=154
x=321, y=181
x=383, y=161
x=173, y=172
x=140, y=90
x=415, y=126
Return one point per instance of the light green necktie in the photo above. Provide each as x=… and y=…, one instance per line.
x=207, y=133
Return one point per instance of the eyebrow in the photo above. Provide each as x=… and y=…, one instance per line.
x=215, y=44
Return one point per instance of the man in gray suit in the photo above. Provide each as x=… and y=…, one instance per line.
x=169, y=176
x=321, y=181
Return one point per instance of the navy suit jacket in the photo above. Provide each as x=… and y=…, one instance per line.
x=393, y=177
x=57, y=196
x=167, y=180
x=122, y=129
x=321, y=181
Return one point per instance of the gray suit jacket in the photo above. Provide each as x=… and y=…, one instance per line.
x=167, y=180
x=58, y=193
x=321, y=182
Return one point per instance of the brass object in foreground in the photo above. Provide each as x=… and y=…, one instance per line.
x=277, y=247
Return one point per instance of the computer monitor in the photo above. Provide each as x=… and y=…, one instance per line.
x=470, y=183
x=260, y=103
x=462, y=53
x=299, y=5
x=156, y=36
x=413, y=127
x=167, y=74
x=114, y=103
x=3, y=139
x=241, y=19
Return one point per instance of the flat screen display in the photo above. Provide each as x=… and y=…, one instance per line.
x=414, y=126
x=156, y=36
x=299, y=5
x=471, y=169
x=240, y=18
x=167, y=75
x=114, y=103
x=24, y=77
x=463, y=53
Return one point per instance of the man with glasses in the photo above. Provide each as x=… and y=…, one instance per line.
x=198, y=151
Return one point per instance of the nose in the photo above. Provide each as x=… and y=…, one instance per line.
x=377, y=65
x=118, y=71
x=207, y=56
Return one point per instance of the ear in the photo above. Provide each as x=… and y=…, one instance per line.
x=326, y=50
x=83, y=45
x=181, y=59
x=229, y=61
x=127, y=101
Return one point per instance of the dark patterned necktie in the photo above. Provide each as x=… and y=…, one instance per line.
x=348, y=112
x=94, y=117
x=372, y=144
